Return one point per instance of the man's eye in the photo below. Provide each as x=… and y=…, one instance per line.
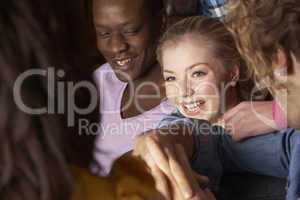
x=103, y=34
x=170, y=78
x=131, y=31
x=198, y=74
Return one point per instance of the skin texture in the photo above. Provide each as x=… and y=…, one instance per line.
x=260, y=113
x=293, y=116
x=160, y=148
x=287, y=91
x=124, y=31
x=127, y=30
x=238, y=118
x=193, y=74
x=167, y=157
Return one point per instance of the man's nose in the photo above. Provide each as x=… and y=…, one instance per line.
x=118, y=43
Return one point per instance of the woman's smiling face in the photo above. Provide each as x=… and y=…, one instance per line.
x=193, y=76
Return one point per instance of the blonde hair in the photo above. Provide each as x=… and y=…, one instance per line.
x=215, y=34
x=261, y=28
x=211, y=31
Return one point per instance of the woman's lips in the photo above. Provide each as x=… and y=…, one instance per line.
x=193, y=108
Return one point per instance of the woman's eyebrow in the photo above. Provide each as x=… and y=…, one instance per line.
x=196, y=65
x=168, y=71
x=188, y=68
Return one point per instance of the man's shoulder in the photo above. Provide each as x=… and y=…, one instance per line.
x=102, y=68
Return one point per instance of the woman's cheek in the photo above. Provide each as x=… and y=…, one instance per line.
x=210, y=93
x=205, y=88
x=172, y=93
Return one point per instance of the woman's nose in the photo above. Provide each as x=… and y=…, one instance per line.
x=118, y=44
x=187, y=89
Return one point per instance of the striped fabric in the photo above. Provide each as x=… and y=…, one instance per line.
x=213, y=8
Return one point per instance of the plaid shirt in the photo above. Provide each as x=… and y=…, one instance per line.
x=213, y=8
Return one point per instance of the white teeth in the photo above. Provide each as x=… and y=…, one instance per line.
x=123, y=62
x=194, y=106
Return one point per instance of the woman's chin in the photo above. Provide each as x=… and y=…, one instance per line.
x=208, y=117
x=202, y=117
x=199, y=116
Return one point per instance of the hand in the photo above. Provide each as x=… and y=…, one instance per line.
x=249, y=119
x=141, y=150
x=169, y=166
x=200, y=194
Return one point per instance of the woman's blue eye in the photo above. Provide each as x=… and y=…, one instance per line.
x=198, y=74
x=170, y=78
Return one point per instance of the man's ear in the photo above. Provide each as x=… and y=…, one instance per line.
x=279, y=58
x=279, y=64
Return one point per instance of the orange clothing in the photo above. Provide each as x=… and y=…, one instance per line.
x=129, y=181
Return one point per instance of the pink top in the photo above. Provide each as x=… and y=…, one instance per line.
x=116, y=135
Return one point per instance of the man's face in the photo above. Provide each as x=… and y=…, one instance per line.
x=125, y=36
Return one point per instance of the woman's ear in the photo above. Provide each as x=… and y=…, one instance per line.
x=234, y=75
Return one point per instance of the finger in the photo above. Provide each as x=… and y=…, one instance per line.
x=186, y=180
x=157, y=154
x=161, y=183
x=162, y=162
x=178, y=172
x=181, y=179
x=150, y=162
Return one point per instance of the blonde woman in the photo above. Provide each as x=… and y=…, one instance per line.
x=199, y=59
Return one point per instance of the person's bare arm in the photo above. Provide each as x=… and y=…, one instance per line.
x=249, y=119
